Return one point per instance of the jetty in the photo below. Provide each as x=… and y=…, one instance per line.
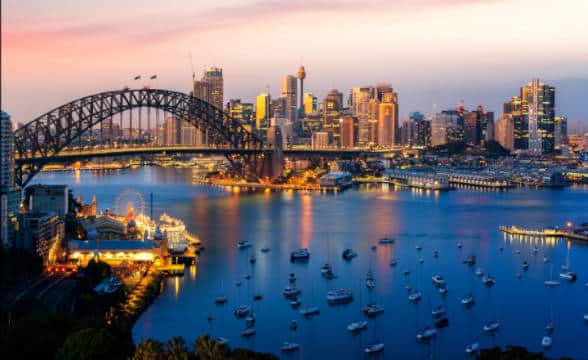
x=549, y=232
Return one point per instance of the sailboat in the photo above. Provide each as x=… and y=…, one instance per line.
x=289, y=346
x=221, y=298
x=376, y=346
x=472, y=348
x=568, y=274
x=358, y=325
x=551, y=282
x=547, y=341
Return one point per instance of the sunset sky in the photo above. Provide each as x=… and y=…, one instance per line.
x=434, y=52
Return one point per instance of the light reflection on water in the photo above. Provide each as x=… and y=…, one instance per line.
x=327, y=224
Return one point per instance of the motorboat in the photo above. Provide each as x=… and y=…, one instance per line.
x=265, y=249
x=468, y=300
x=438, y=311
x=472, y=348
x=295, y=303
x=309, y=311
x=426, y=334
x=373, y=309
x=488, y=280
x=374, y=348
x=491, y=326
x=300, y=254
x=291, y=291
x=357, y=326
x=242, y=311
x=243, y=244
x=248, y=332
x=569, y=276
x=393, y=262
x=221, y=299
x=547, y=341
x=415, y=296
x=438, y=280
x=252, y=259
x=349, y=254
x=386, y=241
x=339, y=296
x=222, y=341
x=289, y=346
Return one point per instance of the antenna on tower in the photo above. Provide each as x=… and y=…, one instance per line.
x=192, y=66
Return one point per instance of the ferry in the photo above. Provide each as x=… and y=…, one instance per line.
x=174, y=231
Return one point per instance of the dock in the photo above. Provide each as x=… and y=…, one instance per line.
x=546, y=233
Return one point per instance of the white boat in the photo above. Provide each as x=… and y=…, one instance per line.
x=248, y=332
x=374, y=348
x=357, y=326
x=468, y=300
x=309, y=311
x=295, y=303
x=250, y=320
x=373, y=309
x=472, y=348
x=386, y=241
x=438, y=280
x=289, y=346
x=371, y=283
x=426, y=334
x=242, y=311
x=339, y=296
x=419, y=247
x=569, y=276
x=491, y=326
x=326, y=267
x=415, y=296
x=243, y=244
x=300, y=254
x=438, y=311
x=479, y=272
x=459, y=245
x=221, y=299
x=291, y=291
x=488, y=280
x=546, y=342
x=222, y=341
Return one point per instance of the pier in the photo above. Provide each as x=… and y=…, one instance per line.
x=550, y=233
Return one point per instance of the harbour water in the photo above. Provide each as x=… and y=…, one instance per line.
x=357, y=218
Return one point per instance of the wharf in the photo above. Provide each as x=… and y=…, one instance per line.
x=560, y=233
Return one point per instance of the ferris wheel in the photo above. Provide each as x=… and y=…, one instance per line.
x=129, y=199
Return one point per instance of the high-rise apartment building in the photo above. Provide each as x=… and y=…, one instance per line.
x=505, y=131
x=348, y=132
x=332, y=107
x=213, y=76
x=262, y=111
x=388, y=119
x=560, y=132
x=360, y=100
x=310, y=103
x=9, y=193
x=289, y=91
x=422, y=128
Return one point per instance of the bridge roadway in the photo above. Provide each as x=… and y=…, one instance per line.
x=97, y=152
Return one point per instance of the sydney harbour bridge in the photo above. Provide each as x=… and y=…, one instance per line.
x=52, y=136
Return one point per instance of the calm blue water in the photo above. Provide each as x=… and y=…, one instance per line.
x=327, y=224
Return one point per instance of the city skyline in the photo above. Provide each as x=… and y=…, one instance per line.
x=79, y=53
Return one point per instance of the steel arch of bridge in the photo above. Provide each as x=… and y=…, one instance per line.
x=44, y=137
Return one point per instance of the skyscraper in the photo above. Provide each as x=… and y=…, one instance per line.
x=9, y=194
x=388, y=119
x=332, y=106
x=360, y=99
x=262, y=111
x=310, y=103
x=561, y=131
x=422, y=136
x=289, y=93
x=533, y=115
x=504, y=132
x=347, y=132
x=213, y=76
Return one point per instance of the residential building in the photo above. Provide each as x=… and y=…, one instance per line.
x=348, y=138
x=289, y=93
x=388, y=119
x=47, y=199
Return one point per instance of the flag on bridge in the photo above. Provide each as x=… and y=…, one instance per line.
x=138, y=77
x=153, y=77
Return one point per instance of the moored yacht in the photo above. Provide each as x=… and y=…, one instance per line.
x=438, y=311
x=221, y=299
x=426, y=334
x=373, y=309
x=309, y=311
x=357, y=326
x=568, y=275
x=472, y=348
x=374, y=348
x=547, y=341
x=339, y=296
x=349, y=254
x=386, y=241
x=488, y=280
x=222, y=341
x=242, y=311
x=243, y=244
x=291, y=291
x=491, y=326
x=414, y=296
x=289, y=346
x=468, y=300
x=300, y=254
x=438, y=280
x=248, y=332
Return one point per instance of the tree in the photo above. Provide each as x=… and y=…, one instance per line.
x=91, y=343
x=149, y=350
x=207, y=349
x=176, y=349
